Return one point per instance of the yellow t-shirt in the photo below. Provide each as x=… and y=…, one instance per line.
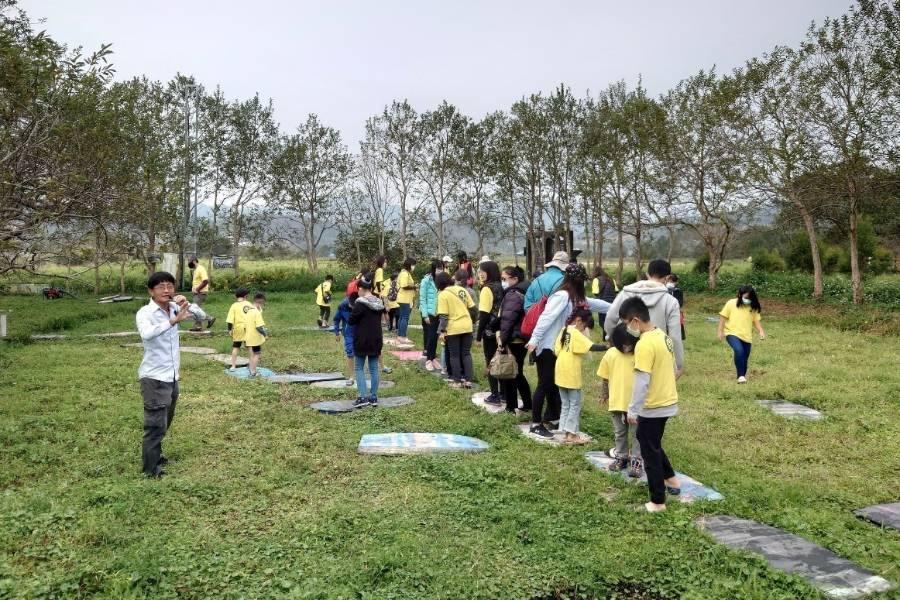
x=486, y=300
x=237, y=320
x=655, y=354
x=405, y=279
x=200, y=275
x=618, y=369
x=321, y=290
x=380, y=289
x=455, y=302
x=253, y=319
x=739, y=320
x=568, y=357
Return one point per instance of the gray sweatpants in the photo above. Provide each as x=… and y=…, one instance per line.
x=160, y=399
x=624, y=434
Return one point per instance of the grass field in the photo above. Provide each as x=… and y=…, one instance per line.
x=266, y=498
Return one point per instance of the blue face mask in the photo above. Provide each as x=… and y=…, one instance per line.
x=746, y=301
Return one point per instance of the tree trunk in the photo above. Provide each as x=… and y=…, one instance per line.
x=403, y=220
x=96, y=261
x=122, y=278
x=236, y=242
x=671, y=249
x=638, y=256
x=855, y=275
x=713, y=271
x=621, y=266
x=311, y=249
x=600, y=238
x=809, y=224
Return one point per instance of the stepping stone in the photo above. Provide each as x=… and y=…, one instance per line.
x=691, y=489
x=886, y=515
x=48, y=336
x=342, y=384
x=419, y=443
x=833, y=575
x=188, y=349
x=394, y=343
x=789, y=410
x=712, y=319
x=436, y=372
x=114, y=335
x=189, y=332
x=407, y=354
x=478, y=399
x=225, y=359
x=336, y=407
x=556, y=440
x=244, y=373
x=303, y=377
x=111, y=299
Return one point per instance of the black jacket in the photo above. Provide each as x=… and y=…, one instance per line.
x=366, y=319
x=512, y=311
x=488, y=323
x=607, y=290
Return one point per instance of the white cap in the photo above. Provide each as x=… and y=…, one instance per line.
x=446, y=258
x=560, y=261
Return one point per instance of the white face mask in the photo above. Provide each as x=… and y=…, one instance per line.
x=635, y=333
x=670, y=286
x=504, y=284
x=746, y=301
x=438, y=271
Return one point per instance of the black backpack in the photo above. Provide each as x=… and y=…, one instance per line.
x=393, y=291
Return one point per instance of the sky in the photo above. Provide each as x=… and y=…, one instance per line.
x=346, y=60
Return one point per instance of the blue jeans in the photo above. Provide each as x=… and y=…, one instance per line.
x=570, y=410
x=741, y=353
x=403, y=320
x=361, y=376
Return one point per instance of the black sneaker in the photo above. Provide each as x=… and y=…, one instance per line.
x=541, y=431
x=361, y=402
x=495, y=400
x=162, y=461
x=373, y=400
x=620, y=464
x=636, y=469
x=210, y=322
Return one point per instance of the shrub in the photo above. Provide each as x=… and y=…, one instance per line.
x=766, y=261
x=702, y=265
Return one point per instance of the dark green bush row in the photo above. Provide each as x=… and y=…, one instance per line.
x=279, y=280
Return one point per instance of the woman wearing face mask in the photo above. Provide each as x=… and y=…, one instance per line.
x=488, y=320
x=677, y=293
x=428, y=293
x=509, y=336
x=736, y=321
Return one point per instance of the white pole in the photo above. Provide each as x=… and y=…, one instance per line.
x=2, y=325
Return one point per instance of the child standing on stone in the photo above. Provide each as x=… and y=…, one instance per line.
x=616, y=374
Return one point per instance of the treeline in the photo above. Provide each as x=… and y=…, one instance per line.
x=809, y=133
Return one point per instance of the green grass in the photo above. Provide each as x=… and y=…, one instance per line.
x=266, y=498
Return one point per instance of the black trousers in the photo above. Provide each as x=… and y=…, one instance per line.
x=459, y=355
x=656, y=463
x=160, y=398
x=489, y=345
x=546, y=389
x=393, y=318
x=325, y=313
x=430, y=332
x=520, y=383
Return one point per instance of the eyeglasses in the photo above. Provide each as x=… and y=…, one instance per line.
x=164, y=286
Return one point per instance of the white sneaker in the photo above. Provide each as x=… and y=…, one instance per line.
x=742, y=379
x=232, y=368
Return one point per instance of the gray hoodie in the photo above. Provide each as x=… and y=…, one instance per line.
x=664, y=312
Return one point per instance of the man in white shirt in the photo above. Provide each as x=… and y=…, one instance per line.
x=157, y=323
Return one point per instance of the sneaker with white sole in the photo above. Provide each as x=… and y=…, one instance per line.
x=349, y=383
x=742, y=379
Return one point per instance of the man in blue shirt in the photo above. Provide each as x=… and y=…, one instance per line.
x=547, y=283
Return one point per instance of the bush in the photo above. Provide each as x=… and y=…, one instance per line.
x=280, y=280
x=702, y=265
x=766, y=261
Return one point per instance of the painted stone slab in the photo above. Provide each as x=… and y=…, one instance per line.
x=556, y=440
x=419, y=443
x=407, y=354
x=335, y=407
x=189, y=332
x=478, y=399
x=225, y=359
x=835, y=576
x=189, y=349
x=691, y=489
x=789, y=410
x=342, y=384
x=116, y=334
x=886, y=515
x=111, y=299
x=395, y=343
x=48, y=336
x=303, y=377
x=244, y=372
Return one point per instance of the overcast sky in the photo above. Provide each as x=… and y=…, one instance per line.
x=346, y=60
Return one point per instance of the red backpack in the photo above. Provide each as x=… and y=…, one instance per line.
x=529, y=322
x=353, y=287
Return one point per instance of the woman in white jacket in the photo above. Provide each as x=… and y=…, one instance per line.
x=551, y=322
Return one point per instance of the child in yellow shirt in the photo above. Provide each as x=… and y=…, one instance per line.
x=654, y=399
x=736, y=321
x=571, y=346
x=616, y=372
x=323, y=300
x=246, y=325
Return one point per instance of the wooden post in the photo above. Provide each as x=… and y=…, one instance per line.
x=2, y=325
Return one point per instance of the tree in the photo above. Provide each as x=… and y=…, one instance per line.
x=847, y=99
x=248, y=159
x=440, y=167
x=476, y=204
x=308, y=170
x=395, y=135
x=781, y=143
x=705, y=163
x=215, y=134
